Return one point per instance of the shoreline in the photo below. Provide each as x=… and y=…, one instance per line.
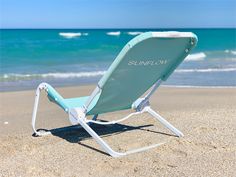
x=191, y=86
x=92, y=83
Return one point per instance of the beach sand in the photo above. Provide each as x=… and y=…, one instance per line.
x=207, y=117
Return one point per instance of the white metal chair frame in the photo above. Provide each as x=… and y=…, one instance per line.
x=78, y=116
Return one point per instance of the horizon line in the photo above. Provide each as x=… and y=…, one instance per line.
x=122, y=28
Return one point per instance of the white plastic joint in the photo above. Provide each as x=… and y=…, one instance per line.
x=75, y=114
x=43, y=86
x=140, y=104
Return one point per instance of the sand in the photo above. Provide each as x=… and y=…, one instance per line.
x=207, y=117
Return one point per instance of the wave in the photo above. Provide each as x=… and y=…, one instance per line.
x=13, y=76
x=114, y=33
x=72, y=35
x=231, y=51
x=85, y=34
x=134, y=33
x=196, y=57
x=205, y=70
x=74, y=75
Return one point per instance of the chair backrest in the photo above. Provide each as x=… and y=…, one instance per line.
x=144, y=60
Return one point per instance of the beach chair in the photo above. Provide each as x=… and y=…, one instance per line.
x=140, y=67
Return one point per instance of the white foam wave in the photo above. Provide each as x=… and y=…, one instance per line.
x=5, y=76
x=70, y=35
x=114, y=33
x=73, y=35
x=134, y=33
x=205, y=70
x=54, y=75
x=227, y=51
x=196, y=57
x=77, y=75
x=231, y=51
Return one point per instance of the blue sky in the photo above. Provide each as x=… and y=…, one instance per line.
x=117, y=13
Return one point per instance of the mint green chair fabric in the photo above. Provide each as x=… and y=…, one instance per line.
x=143, y=61
x=68, y=103
x=65, y=104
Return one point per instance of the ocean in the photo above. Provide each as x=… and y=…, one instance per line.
x=68, y=57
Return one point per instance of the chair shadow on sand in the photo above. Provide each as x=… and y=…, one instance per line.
x=76, y=134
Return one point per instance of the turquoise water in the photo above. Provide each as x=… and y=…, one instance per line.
x=28, y=57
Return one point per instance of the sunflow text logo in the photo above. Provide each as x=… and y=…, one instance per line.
x=147, y=62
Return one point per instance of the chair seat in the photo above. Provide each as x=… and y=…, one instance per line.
x=65, y=104
x=69, y=103
x=75, y=102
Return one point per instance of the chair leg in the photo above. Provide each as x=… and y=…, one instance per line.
x=95, y=117
x=36, y=102
x=106, y=147
x=80, y=117
x=99, y=140
x=164, y=122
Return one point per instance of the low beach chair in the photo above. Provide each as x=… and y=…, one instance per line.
x=140, y=67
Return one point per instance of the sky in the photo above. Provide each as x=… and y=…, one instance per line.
x=117, y=13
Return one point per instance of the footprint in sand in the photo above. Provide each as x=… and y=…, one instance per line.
x=180, y=153
x=205, y=129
